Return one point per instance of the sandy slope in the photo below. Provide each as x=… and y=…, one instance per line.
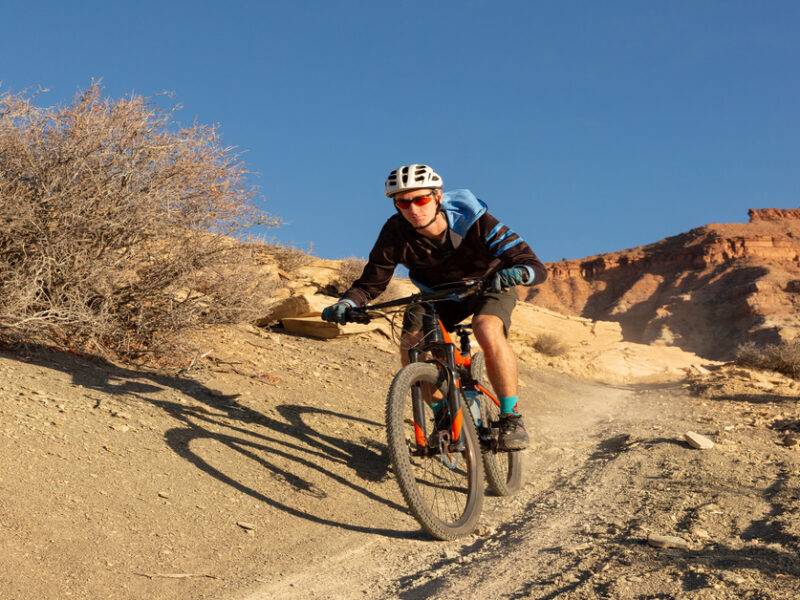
x=266, y=476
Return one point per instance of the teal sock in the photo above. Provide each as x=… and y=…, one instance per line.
x=508, y=405
x=437, y=406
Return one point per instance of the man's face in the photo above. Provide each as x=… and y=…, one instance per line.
x=416, y=215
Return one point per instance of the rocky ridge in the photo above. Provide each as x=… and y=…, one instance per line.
x=705, y=291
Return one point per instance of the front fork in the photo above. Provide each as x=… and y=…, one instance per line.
x=453, y=402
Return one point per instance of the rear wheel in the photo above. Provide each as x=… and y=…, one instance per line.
x=444, y=490
x=503, y=469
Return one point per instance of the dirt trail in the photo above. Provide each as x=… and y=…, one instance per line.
x=267, y=477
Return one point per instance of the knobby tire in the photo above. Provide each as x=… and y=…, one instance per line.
x=503, y=469
x=447, y=502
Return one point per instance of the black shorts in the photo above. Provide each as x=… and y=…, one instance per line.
x=452, y=312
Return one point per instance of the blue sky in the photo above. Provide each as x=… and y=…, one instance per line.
x=588, y=127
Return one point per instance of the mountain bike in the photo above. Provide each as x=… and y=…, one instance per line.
x=437, y=460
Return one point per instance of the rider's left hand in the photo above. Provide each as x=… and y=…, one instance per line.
x=336, y=313
x=506, y=278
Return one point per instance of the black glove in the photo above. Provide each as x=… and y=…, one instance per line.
x=506, y=278
x=335, y=313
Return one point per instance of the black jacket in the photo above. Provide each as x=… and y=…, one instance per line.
x=476, y=246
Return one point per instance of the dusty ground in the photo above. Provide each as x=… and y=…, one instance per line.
x=267, y=477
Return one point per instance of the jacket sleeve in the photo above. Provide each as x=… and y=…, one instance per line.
x=383, y=259
x=507, y=246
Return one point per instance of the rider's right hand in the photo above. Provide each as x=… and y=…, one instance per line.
x=336, y=313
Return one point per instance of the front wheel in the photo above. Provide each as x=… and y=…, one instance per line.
x=503, y=469
x=443, y=489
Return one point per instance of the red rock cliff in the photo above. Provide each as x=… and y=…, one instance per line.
x=773, y=214
x=707, y=290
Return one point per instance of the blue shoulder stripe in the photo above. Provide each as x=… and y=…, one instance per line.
x=493, y=232
x=508, y=246
x=505, y=236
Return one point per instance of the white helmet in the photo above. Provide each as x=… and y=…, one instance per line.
x=412, y=177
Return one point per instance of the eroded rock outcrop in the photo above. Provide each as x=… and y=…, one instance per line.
x=773, y=214
x=706, y=291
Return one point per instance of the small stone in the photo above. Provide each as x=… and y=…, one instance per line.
x=733, y=578
x=245, y=525
x=575, y=548
x=791, y=440
x=695, y=440
x=450, y=554
x=164, y=495
x=667, y=541
x=701, y=533
x=485, y=531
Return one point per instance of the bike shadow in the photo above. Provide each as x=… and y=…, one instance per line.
x=284, y=447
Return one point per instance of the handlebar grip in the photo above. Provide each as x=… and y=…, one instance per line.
x=355, y=315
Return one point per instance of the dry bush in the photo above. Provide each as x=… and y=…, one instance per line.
x=116, y=224
x=783, y=357
x=550, y=345
x=289, y=258
x=350, y=269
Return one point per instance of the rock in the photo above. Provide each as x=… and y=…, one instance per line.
x=695, y=440
x=164, y=495
x=313, y=326
x=791, y=440
x=667, y=541
x=576, y=548
x=732, y=578
x=701, y=533
x=245, y=525
x=485, y=531
x=294, y=306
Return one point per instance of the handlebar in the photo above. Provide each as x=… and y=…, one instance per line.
x=448, y=291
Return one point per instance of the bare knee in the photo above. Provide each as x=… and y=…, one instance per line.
x=490, y=333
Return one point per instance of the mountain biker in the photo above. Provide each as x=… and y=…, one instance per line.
x=443, y=238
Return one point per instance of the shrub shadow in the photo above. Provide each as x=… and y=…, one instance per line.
x=255, y=436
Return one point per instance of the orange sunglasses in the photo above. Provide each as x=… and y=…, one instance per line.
x=418, y=201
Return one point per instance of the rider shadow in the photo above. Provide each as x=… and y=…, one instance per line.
x=369, y=459
x=257, y=437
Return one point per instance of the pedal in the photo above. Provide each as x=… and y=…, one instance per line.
x=489, y=436
x=458, y=446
